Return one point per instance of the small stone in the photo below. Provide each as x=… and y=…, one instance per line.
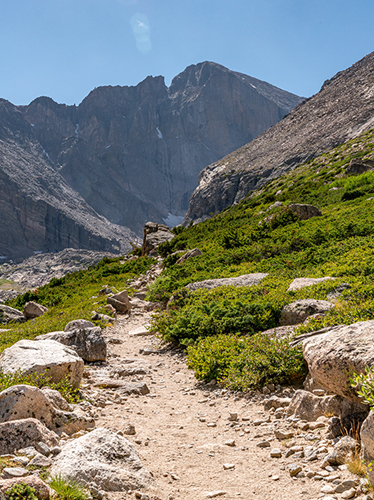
x=328, y=489
x=55, y=450
x=345, y=486
x=275, y=453
x=174, y=476
x=43, y=449
x=275, y=478
x=284, y=434
x=214, y=494
x=233, y=417
x=30, y=451
x=12, y=472
x=230, y=442
x=294, y=469
x=41, y=461
x=24, y=461
x=130, y=430
x=228, y=466
x=212, y=424
x=263, y=444
x=318, y=392
x=349, y=493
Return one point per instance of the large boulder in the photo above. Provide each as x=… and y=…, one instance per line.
x=88, y=343
x=40, y=356
x=334, y=355
x=18, y=434
x=154, y=235
x=300, y=283
x=24, y=401
x=244, y=280
x=307, y=406
x=9, y=314
x=120, y=301
x=298, y=311
x=304, y=211
x=33, y=310
x=357, y=167
x=103, y=460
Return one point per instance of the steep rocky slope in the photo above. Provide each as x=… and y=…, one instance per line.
x=39, y=211
x=134, y=153
x=342, y=110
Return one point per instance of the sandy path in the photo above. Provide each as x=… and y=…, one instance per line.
x=183, y=430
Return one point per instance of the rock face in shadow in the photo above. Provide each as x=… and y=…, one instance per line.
x=38, y=210
x=134, y=153
x=342, y=110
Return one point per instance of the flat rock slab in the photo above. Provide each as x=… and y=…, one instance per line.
x=244, y=280
x=334, y=356
x=142, y=331
x=8, y=314
x=37, y=356
x=23, y=433
x=104, y=460
x=126, y=387
x=300, y=283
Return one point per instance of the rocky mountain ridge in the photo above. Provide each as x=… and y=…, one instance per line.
x=134, y=153
x=342, y=110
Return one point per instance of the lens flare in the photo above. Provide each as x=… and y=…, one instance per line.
x=140, y=28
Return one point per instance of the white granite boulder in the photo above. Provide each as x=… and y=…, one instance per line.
x=103, y=460
x=43, y=356
x=25, y=401
x=244, y=280
x=18, y=434
x=33, y=310
x=298, y=311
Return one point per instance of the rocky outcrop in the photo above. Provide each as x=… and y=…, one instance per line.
x=342, y=110
x=134, y=153
x=305, y=212
x=30, y=356
x=39, y=211
x=334, y=355
x=10, y=315
x=299, y=283
x=154, y=235
x=104, y=460
x=244, y=280
x=195, y=252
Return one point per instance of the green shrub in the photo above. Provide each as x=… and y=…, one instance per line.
x=243, y=363
x=21, y=491
x=68, y=489
x=364, y=385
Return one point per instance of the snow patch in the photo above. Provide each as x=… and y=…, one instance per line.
x=76, y=129
x=107, y=147
x=3, y=257
x=159, y=133
x=173, y=220
x=253, y=86
x=38, y=252
x=45, y=152
x=32, y=124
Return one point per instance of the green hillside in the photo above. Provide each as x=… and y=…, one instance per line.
x=220, y=327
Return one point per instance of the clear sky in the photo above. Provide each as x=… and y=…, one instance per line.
x=65, y=48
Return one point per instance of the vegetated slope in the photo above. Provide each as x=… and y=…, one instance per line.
x=38, y=210
x=254, y=237
x=134, y=153
x=342, y=110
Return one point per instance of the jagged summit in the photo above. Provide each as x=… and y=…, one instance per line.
x=128, y=154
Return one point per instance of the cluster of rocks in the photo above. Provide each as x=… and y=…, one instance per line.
x=31, y=310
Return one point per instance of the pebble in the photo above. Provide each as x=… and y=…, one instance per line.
x=40, y=461
x=228, y=466
x=263, y=444
x=230, y=442
x=328, y=489
x=349, y=493
x=294, y=469
x=276, y=453
x=214, y=494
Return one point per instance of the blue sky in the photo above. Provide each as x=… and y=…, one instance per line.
x=65, y=48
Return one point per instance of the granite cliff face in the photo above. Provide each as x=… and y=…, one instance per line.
x=343, y=109
x=134, y=153
x=39, y=211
